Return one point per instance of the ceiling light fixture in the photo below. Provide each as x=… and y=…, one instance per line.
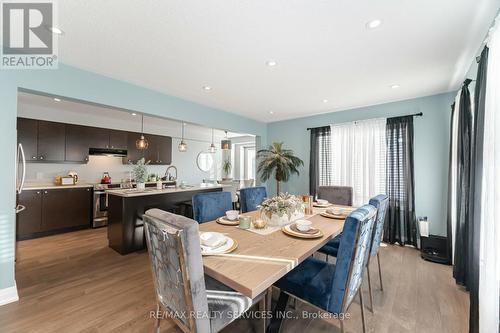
x=57, y=99
x=56, y=30
x=182, y=144
x=271, y=112
x=134, y=114
x=212, y=148
x=395, y=86
x=226, y=143
x=373, y=24
x=325, y=101
x=207, y=88
x=271, y=63
x=142, y=143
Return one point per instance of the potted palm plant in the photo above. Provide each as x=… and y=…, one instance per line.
x=278, y=161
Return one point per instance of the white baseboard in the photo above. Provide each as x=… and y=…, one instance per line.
x=8, y=295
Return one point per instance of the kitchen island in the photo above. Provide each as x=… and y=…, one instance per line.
x=126, y=207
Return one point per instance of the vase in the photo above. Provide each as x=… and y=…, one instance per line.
x=141, y=186
x=280, y=221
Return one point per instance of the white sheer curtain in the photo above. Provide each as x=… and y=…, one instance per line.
x=489, y=262
x=359, y=157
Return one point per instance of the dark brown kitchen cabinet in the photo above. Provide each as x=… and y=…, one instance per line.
x=51, y=211
x=159, y=151
x=77, y=149
x=43, y=141
x=133, y=154
x=66, y=208
x=117, y=139
x=27, y=135
x=29, y=220
x=51, y=141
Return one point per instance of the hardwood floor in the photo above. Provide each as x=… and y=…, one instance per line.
x=75, y=283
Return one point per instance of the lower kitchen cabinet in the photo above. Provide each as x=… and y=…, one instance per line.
x=53, y=210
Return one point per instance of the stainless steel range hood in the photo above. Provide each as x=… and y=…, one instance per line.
x=108, y=152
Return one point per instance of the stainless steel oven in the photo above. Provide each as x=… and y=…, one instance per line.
x=100, y=205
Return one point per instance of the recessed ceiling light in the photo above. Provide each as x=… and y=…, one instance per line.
x=325, y=101
x=395, y=86
x=56, y=30
x=134, y=114
x=57, y=99
x=373, y=24
x=271, y=63
x=271, y=112
x=207, y=87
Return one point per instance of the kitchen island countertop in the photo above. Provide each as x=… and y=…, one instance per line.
x=153, y=191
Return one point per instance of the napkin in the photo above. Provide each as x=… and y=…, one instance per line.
x=212, y=239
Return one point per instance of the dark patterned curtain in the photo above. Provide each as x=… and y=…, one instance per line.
x=463, y=232
x=320, y=164
x=475, y=189
x=401, y=226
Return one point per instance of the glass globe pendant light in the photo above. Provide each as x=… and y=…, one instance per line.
x=212, y=148
x=182, y=145
x=226, y=143
x=142, y=143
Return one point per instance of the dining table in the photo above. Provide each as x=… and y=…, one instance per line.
x=260, y=260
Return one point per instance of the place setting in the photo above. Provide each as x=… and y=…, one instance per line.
x=231, y=218
x=339, y=213
x=321, y=203
x=302, y=229
x=213, y=243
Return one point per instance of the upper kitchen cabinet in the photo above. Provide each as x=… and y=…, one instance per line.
x=77, y=143
x=27, y=135
x=159, y=150
x=43, y=141
x=117, y=139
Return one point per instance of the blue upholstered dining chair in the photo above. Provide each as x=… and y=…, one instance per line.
x=251, y=197
x=380, y=202
x=332, y=287
x=173, y=243
x=211, y=205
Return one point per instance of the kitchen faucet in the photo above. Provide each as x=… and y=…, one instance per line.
x=168, y=176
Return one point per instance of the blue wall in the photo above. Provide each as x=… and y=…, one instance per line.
x=83, y=85
x=431, y=148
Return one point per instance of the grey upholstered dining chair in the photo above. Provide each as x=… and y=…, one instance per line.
x=339, y=195
x=182, y=289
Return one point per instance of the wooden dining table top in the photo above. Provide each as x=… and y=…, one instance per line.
x=261, y=260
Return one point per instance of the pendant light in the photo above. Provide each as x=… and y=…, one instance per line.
x=226, y=143
x=182, y=145
x=142, y=143
x=212, y=146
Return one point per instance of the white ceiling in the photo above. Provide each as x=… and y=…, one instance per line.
x=322, y=48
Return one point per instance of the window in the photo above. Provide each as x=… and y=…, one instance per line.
x=358, y=155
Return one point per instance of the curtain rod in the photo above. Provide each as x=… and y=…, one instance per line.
x=419, y=114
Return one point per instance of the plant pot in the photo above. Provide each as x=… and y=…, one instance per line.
x=141, y=186
x=281, y=221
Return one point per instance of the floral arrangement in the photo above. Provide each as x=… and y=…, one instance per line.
x=282, y=205
x=140, y=171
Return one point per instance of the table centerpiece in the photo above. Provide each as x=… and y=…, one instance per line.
x=282, y=209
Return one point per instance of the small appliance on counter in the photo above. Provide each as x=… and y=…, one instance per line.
x=74, y=174
x=62, y=181
x=106, y=179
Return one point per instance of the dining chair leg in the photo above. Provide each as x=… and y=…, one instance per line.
x=275, y=325
x=380, y=272
x=370, y=288
x=157, y=324
x=361, y=303
x=341, y=326
x=269, y=301
x=263, y=309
